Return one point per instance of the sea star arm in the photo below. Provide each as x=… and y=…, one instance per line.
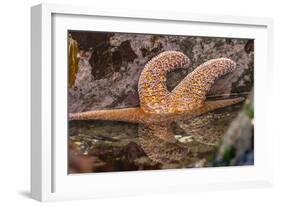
x=162, y=130
x=133, y=115
x=215, y=104
x=158, y=142
x=156, y=101
x=153, y=93
x=191, y=91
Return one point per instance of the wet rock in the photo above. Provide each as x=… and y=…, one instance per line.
x=79, y=163
x=237, y=147
x=107, y=77
x=132, y=99
x=110, y=78
x=249, y=47
x=128, y=147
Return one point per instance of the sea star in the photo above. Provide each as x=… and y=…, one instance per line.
x=157, y=104
x=159, y=107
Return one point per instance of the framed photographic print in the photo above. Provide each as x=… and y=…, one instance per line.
x=135, y=102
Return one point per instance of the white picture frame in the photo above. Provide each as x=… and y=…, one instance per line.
x=49, y=179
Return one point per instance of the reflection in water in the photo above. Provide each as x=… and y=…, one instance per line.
x=207, y=129
x=160, y=117
x=159, y=142
x=180, y=143
x=152, y=141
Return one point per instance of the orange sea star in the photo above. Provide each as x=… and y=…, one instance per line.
x=157, y=104
x=159, y=107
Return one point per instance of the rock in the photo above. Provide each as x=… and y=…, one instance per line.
x=108, y=72
x=79, y=163
x=237, y=147
x=110, y=78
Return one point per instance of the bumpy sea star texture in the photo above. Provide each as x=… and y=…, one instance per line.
x=159, y=150
x=166, y=97
x=110, y=78
x=160, y=105
x=153, y=92
x=113, y=140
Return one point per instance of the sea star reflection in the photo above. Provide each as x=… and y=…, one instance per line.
x=159, y=108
